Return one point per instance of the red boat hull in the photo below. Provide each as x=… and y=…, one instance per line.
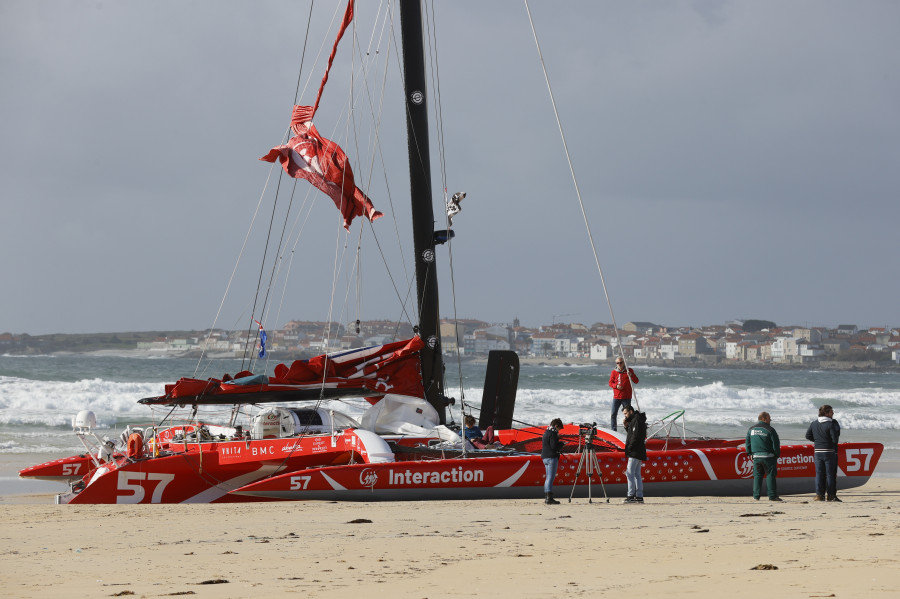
x=62, y=470
x=718, y=471
x=208, y=473
x=75, y=467
x=529, y=439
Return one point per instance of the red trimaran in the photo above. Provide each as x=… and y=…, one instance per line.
x=287, y=457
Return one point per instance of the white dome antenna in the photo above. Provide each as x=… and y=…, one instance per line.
x=84, y=421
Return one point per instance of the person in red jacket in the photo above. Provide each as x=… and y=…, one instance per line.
x=620, y=382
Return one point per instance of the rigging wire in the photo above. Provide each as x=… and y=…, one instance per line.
x=431, y=29
x=277, y=261
x=377, y=150
x=262, y=267
x=258, y=206
x=234, y=270
x=578, y=194
x=275, y=205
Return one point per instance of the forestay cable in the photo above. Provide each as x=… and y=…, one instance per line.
x=578, y=193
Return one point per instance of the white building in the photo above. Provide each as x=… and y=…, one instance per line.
x=668, y=349
x=600, y=351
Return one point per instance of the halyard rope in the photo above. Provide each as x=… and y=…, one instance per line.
x=578, y=194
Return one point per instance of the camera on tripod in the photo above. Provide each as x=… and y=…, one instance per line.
x=587, y=431
x=588, y=458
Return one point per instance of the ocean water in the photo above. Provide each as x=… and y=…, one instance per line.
x=39, y=395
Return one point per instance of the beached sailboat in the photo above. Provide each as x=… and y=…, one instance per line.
x=202, y=463
x=364, y=463
x=189, y=463
x=709, y=467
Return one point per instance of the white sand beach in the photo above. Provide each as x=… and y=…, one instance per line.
x=673, y=547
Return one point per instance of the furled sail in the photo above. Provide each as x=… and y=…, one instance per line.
x=369, y=372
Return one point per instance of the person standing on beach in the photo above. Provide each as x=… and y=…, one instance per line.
x=764, y=447
x=824, y=433
x=550, y=448
x=636, y=452
x=621, y=382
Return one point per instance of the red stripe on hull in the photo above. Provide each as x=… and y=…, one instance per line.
x=704, y=471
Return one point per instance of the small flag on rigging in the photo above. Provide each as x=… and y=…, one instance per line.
x=262, y=339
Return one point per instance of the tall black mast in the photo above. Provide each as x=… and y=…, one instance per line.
x=420, y=194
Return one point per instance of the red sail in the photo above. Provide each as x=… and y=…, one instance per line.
x=320, y=161
x=323, y=163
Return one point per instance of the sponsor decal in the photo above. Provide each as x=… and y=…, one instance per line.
x=743, y=465
x=319, y=444
x=368, y=477
x=291, y=447
x=796, y=459
x=435, y=477
x=260, y=450
x=230, y=451
x=244, y=452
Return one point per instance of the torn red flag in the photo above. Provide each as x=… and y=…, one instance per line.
x=323, y=163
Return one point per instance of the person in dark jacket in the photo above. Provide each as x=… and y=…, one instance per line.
x=550, y=448
x=764, y=447
x=636, y=451
x=824, y=433
x=620, y=381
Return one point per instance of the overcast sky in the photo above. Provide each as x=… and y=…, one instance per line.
x=736, y=160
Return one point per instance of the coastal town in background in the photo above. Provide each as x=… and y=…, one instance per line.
x=737, y=343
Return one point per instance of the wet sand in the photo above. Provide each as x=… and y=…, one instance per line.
x=677, y=547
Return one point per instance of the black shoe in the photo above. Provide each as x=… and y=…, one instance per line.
x=775, y=499
x=834, y=498
x=548, y=499
x=639, y=500
x=630, y=499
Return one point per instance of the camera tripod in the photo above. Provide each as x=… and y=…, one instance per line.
x=588, y=460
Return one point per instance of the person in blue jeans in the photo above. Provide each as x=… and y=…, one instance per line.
x=636, y=452
x=620, y=381
x=825, y=432
x=550, y=448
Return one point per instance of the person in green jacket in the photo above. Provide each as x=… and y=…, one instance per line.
x=764, y=447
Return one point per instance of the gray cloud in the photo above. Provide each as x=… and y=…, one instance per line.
x=736, y=160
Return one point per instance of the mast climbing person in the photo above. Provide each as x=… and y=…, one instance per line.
x=621, y=384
